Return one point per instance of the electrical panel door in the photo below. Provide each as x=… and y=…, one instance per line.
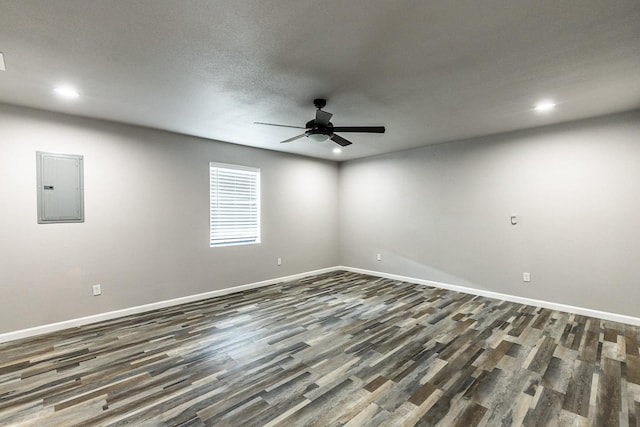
x=60, y=188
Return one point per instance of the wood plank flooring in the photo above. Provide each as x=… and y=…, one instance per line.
x=330, y=350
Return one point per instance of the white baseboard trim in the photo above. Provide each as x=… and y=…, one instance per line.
x=506, y=297
x=53, y=327
x=72, y=323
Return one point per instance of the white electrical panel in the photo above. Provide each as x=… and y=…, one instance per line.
x=60, y=188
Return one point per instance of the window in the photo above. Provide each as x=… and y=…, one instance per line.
x=234, y=204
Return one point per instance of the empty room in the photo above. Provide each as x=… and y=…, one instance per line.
x=297, y=213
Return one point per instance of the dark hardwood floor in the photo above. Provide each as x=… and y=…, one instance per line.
x=334, y=349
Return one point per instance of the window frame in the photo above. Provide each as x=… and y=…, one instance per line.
x=251, y=238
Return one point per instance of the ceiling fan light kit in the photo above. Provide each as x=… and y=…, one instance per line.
x=321, y=129
x=319, y=137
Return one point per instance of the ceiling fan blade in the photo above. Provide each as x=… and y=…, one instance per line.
x=363, y=129
x=293, y=138
x=340, y=140
x=322, y=117
x=282, y=126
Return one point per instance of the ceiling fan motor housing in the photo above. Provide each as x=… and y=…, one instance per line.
x=314, y=128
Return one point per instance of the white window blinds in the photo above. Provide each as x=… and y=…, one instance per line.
x=234, y=204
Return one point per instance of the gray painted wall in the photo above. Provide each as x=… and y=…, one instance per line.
x=145, y=238
x=442, y=213
x=439, y=213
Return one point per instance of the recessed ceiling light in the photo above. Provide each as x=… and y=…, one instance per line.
x=2, y=65
x=66, y=92
x=337, y=150
x=545, y=106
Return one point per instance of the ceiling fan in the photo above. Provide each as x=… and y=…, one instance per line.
x=321, y=129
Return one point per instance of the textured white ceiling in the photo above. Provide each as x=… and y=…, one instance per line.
x=431, y=71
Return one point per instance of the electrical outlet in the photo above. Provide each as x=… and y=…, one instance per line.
x=526, y=277
x=379, y=257
x=279, y=261
x=97, y=290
